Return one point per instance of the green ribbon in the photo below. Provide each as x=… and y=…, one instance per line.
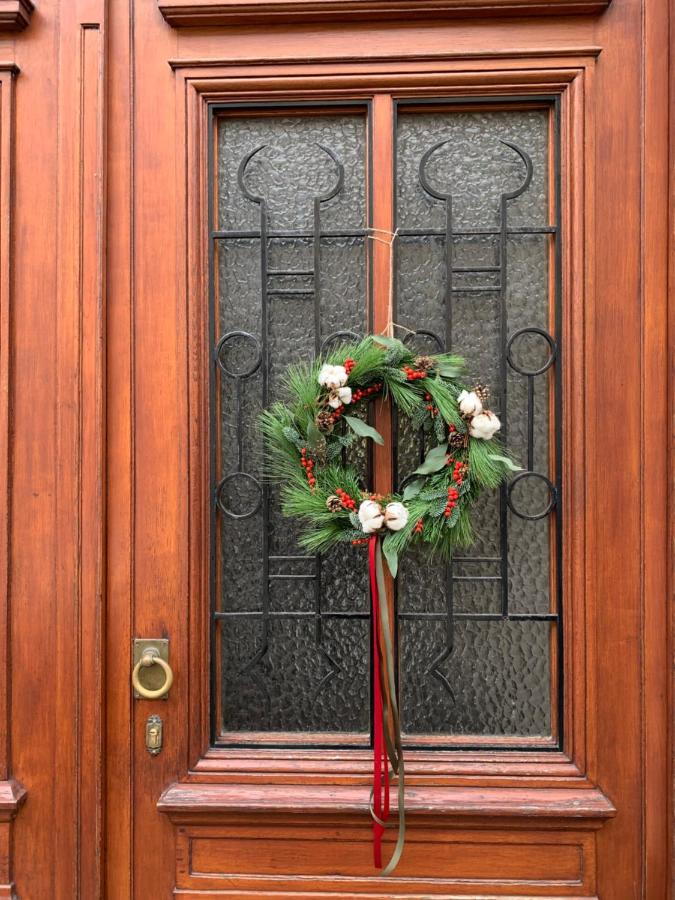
x=390, y=713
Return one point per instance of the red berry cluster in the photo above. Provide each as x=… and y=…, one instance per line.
x=360, y=393
x=349, y=365
x=458, y=471
x=453, y=494
x=413, y=374
x=451, y=428
x=430, y=406
x=358, y=541
x=338, y=412
x=347, y=501
x=307, y=464
x=419, y=525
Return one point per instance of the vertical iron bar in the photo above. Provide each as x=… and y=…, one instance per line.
x=558, y=374
x=318, y=632
x=449, y=257
x=530, y=423
x=264, y=340
x=317, y=275
x=240, y=436
x=449, y=264
x=503, y=338
x=212, y=409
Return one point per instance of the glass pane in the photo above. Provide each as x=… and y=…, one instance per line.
x=474, y=269
x=289, y=259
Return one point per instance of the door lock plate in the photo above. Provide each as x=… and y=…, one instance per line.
x=153, y=735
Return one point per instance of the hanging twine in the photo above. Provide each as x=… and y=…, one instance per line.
x=389, y=239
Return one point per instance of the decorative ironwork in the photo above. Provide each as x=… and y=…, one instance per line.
x=308, y=287
x=499, y=272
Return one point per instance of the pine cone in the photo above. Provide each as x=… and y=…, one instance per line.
x=424, y=363
x=325, y=421
x=457, y=440
x=482, y=393
x=333, y=503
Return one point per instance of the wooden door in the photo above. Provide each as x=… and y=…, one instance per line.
x=240, y=184
x=286, y=191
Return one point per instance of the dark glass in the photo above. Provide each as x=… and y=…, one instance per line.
x=291, y=657
x=473, y=268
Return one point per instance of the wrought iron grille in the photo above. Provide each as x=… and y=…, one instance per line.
x=243, y=355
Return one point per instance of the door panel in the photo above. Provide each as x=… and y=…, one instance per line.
x=261, y=785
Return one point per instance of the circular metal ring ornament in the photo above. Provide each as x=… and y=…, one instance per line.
x=552, y=490
x=553, y=347
x=336, y=337
x=220, y=499
x=425, y=333
x=246, y=373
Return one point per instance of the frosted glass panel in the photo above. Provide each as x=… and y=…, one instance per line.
x=476, y=270
x=474, y=266
x=290, y=275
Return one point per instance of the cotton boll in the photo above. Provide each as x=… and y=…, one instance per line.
x=484, y=426
x=371, y=516
x=469, y=403
x=395, y=516
x=332, y=377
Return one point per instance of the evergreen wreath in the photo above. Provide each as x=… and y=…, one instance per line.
x=306, y=440
x=306, y=437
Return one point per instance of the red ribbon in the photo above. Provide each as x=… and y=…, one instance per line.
x=380, y=765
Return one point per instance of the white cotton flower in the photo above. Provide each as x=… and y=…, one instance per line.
x=332, y=377
x=484, y=426
x=371, y=516
x=470, y=403
x=338, y=396
x=395, y=516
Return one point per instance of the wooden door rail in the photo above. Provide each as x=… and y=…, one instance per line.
x=199, y=801
x=179, y=13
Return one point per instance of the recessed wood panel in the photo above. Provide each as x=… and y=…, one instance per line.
x=439, y=862
x=430, y=856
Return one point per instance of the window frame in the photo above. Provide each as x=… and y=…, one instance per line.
x=201, y=84
x=381, y=295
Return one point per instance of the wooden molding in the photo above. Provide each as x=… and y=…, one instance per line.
x=15, y=14
x=190, y=13
x=198, y=801
x=12, y=796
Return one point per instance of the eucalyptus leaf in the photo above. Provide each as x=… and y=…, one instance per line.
x=509, y=463
x=392, y=342
x=391, y=555
x=412, y=490
x=449, y=371
x=434, y=461
x=363, y=430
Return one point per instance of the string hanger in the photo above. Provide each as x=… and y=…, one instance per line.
x=388, y=240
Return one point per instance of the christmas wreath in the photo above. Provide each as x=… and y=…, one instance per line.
x=307, y=440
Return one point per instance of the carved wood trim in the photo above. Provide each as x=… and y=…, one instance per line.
x=181, y=13
x=12, y=794
x=15, y=14
x=12, y=797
